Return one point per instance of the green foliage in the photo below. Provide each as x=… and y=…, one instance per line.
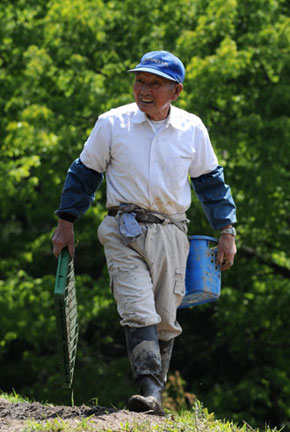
x=62, y=63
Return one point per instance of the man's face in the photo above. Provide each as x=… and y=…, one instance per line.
x=154, y=94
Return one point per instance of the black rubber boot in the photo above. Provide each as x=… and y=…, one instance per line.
x=144, y=355
x=166, y=348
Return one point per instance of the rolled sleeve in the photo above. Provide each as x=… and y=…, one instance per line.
x=78, y=191
x=216, y=198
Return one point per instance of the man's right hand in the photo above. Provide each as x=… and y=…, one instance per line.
x=63, y=236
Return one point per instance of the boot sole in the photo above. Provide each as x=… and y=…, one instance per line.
x=148, y=404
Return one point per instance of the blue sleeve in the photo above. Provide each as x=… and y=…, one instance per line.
x=78, y=191
x=216, y=198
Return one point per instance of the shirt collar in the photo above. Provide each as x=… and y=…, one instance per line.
x=139, y=116
x=172, y=120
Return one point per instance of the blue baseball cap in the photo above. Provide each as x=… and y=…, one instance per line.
x=161, y=63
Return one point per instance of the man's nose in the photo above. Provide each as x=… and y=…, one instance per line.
x=145, y=87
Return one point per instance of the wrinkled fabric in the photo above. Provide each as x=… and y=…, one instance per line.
x=147, y=277
x=216, y=198
x=78, y=191
x=154, y=173
x=128, y=226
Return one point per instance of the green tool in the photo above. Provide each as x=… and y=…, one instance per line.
x=66, y=316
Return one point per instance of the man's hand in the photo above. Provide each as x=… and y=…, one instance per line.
x=226, y=251
x=63, y=236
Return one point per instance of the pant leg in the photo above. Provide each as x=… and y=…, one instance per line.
x=167, y=249
x=130, y=277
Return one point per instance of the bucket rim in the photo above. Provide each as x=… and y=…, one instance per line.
x=202, y=237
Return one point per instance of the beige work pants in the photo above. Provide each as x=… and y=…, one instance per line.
x=147, y=276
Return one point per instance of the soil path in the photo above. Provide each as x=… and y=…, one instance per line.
x=14, y=417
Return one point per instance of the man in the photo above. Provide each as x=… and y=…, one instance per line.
x=148, y=149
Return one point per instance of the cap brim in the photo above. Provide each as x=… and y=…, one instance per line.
x=153, y=71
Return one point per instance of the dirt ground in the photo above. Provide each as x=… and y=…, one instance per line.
x=15, y=417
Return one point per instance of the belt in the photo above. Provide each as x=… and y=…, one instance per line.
x=140, y=216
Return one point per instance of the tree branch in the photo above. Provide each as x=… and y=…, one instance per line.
x=283, y=271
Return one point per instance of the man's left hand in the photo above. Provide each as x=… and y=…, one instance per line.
x=226, y=251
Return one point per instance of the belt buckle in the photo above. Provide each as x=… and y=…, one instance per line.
x=140, y=215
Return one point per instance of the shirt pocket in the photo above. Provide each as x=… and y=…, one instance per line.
x=122, y=157
x=176, y=171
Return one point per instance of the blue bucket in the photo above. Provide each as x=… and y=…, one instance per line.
x=203, y=275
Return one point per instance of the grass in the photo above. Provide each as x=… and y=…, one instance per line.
x=59, y=425
x=198, y=419
x=13, y=397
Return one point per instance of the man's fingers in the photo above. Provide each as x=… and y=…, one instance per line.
x=223, y=261
x=227, y=264
x=63, y=237
x=220, y=257
x=56, y=251
x=226, y=251
x=71, y=250
x=57, y=248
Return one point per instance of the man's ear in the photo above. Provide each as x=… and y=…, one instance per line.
x=177, y=90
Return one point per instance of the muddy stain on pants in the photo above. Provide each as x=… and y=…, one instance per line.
x=148, y=275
